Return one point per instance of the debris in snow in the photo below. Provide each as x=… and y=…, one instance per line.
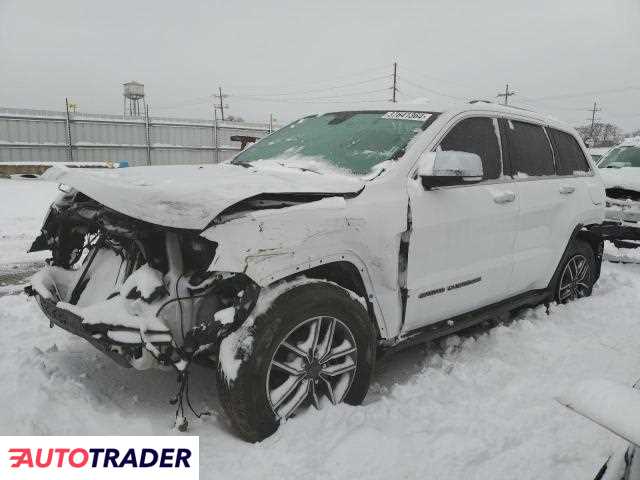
x=181, y=424
x=451, y=343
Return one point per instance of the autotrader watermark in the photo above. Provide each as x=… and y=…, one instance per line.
x=70, y=458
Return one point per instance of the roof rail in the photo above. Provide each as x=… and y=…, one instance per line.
x=479, y=100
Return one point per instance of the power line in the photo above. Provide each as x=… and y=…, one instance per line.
x=326, y=97
x=430, y=90
x=436, y=79
x=311, y=101
x=186, y=103
x=322, y=82
x=333, y=87
x=584, y=94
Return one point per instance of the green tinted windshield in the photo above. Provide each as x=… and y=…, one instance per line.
x=625, y=156
x=351, y=141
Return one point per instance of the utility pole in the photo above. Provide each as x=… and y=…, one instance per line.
x=216, y=133
x=69, y=140
x=395, y=81
x=506, y=94
x=220, y=98
x=593, y=120
x=216, y=150
x=270, y=122
x=147, y=128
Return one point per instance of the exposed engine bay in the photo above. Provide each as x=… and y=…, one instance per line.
x=141, y=293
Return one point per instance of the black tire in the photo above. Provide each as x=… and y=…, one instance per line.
x=577, y=251
x=245, y=399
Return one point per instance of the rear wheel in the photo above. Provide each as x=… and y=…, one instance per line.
x=577, y=273
x=315, y=345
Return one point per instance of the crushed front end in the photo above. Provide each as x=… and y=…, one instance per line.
x=141, y=293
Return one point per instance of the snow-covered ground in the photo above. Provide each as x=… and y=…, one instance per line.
x=23, y=204
x=475, y=406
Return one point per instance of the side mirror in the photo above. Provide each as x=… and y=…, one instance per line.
x=446, y=168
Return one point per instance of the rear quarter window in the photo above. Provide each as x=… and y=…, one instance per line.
x=570, y=159
x=530, y=153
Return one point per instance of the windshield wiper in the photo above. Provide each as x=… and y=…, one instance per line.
x=398, y=154
x=304, y=169
x=242, y=164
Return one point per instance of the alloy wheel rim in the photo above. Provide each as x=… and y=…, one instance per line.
x=574, y=282
x=317, y=358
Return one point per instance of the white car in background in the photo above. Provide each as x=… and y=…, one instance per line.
x=335, y=237
x=620, y=171
x=597, y=153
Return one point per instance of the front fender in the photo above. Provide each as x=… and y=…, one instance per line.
x=270, y=245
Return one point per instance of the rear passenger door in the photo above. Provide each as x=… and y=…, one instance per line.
x=548, y=204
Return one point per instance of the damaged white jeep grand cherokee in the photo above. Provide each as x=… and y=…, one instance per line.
x=330, y=240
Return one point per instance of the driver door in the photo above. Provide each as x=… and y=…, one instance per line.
x=462, y=237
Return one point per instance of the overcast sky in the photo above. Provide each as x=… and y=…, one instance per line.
x=286, y=57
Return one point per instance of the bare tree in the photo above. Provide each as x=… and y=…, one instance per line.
x=601, y=135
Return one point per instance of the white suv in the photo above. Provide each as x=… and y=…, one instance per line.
x=336, y=237
x=620, y=171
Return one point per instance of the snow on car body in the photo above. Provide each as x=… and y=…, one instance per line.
x=339, y=232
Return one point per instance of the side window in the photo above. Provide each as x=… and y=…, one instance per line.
x=570, y=157
x=530, y=153
x=476, y=135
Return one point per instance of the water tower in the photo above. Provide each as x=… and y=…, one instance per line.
x=133, y=92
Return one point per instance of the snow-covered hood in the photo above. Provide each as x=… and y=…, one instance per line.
x=191, y=196
x=625, y=177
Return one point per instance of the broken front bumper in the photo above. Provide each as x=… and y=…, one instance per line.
x=73, y=323
x=622, y=222
x=124, y=329
x=623, y=212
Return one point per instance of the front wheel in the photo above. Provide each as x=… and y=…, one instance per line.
x=315, y=344
x=577, y=273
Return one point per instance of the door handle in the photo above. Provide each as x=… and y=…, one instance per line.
x=566, y=190
x=504, y=197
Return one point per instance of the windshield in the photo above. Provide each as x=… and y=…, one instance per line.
x=350, y=142
x=626, y=156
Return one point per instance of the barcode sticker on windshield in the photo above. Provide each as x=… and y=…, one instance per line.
x=417, y=116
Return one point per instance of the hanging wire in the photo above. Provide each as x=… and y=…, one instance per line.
x=415, y=85
x=324, y=89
